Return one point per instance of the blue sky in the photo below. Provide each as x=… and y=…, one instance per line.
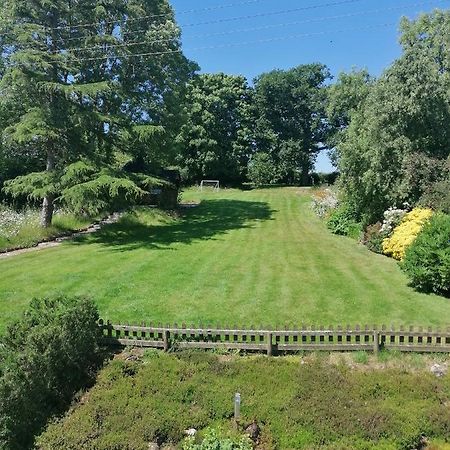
x=339, y=33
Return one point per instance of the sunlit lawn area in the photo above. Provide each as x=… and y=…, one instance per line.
x=240, y=258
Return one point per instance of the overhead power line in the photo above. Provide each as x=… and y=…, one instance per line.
x=251, y=16
x=318, y=19
x=153, y=16
x=271, y=13
x=247, y=30
x=228, y=19
x=237, y=44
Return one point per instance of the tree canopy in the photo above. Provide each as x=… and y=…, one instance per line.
x=290, y=125
x=400, y=133
x=75, y=89
x=216, y=139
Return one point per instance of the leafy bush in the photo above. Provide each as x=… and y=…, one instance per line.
x=44, y=359
x=427, y=260
x=373, y=238
x=261, y=170
x=405, y=233
x=342, y=221
x=213, y=441
x=437, y=196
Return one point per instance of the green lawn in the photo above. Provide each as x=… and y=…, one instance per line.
x=241, y=257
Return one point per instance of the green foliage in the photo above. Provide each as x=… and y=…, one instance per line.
x=35, y=186
x=298, y=406
x=100, y=193
x=344, y=98
x=216, y=138
x=321, y=178
x=343, y=221
x=44, y=359
x=419, y=173
x=261, y=170
x=55, y=110
x=373, y=238
x=214, y=441
x=290, y=119
x=437, y=195
x=84, y=187
x=427, y=260
x=398, y=138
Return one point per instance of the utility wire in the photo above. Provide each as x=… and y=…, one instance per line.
x=142, y=31
x=150, y=16
x=271, y=13
x=229, y=19
x=237, y=44
x=106, y=45
x=319, y=19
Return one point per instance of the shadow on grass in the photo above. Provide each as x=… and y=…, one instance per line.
x=211, y=218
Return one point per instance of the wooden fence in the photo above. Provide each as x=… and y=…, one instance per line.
x=273, y=341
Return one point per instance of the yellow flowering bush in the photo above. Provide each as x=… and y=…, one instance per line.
x=406, y=232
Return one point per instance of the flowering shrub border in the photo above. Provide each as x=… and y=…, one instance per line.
x=324, y=202
x=406, y=232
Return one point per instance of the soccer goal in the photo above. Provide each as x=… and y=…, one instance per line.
x=213, y=184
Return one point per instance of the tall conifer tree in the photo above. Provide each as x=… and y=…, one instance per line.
x=77, y=92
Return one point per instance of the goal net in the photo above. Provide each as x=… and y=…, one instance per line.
x=212, y=184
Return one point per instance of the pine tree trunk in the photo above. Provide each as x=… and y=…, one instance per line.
x=47, y=211
x=47, y=204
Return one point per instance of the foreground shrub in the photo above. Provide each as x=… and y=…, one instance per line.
x=44, y=359
x=342, y=221
x=405, y=233
x=427, y=260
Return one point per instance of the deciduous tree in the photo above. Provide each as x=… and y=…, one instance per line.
x=403, y=121
x=290, y=123
x=216, y=139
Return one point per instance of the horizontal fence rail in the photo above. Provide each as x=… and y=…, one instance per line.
x=415, y=339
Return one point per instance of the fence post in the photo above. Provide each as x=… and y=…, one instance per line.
x=269, y=343
x=376, y=341
x=166, y=336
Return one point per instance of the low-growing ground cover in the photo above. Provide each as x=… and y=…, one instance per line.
x=306, y=402
x=22, y=229
x=241, y=257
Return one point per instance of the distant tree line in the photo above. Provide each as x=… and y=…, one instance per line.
x=88, y=117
